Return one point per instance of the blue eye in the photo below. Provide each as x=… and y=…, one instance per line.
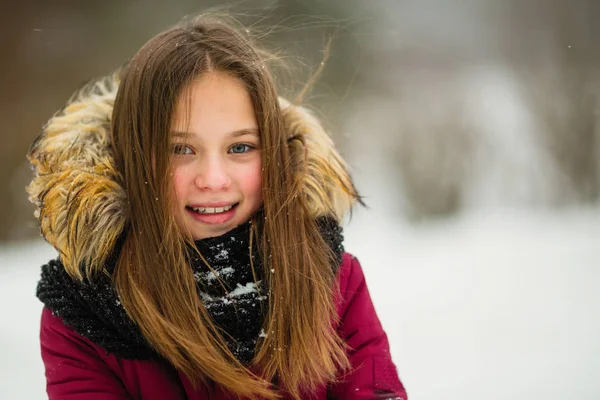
x=182, y=149
x=240, y=148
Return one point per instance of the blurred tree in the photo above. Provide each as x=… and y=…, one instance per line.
x=558, y=64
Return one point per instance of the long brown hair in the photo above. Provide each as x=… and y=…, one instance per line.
x=301, y=350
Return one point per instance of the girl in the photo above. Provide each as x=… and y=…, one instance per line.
x=197, y=219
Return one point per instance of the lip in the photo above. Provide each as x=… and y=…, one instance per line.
x=213, y=219
x=216, y=204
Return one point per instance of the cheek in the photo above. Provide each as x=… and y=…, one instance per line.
x=179, y=180
x=251, y=182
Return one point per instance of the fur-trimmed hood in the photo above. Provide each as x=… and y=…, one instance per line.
x=80, y=203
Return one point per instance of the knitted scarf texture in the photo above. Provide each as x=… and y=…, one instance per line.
x=234, y=300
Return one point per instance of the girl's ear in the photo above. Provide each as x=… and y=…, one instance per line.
x=323, y=175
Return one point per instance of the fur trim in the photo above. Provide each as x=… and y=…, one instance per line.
x=326, y=185
x=81, y=204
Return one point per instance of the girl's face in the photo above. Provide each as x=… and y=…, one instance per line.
x=216, y=157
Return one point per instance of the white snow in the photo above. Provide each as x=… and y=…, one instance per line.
x=488, y=306
x=210, y=275
x=21, y=369
x=496, y=306
x=240, y=290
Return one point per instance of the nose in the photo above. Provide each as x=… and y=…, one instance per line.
x=212, y=175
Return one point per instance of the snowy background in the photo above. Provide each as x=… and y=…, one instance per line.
x=472, y=128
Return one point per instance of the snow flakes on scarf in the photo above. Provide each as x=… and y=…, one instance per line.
x=236, y=303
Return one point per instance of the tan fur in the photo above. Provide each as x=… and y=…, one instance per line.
x=76, y=190
x=78, y=199
x=325, y=184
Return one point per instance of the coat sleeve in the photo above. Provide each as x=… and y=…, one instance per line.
x=373, y=374
x=74, y=367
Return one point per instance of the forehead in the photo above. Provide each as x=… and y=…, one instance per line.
x=214, y=103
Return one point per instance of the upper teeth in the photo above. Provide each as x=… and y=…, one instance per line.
x=209, y=210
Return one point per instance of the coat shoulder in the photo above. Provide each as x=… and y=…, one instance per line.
x=77, y=368
x=350, y=280
x=55, y=333
x=349, y=271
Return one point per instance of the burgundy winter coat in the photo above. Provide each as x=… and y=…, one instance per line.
x=76, y=368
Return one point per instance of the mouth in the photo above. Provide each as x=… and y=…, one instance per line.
x=213, y=215
x=211, y=210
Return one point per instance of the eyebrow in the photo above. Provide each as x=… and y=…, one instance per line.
x=234, y=134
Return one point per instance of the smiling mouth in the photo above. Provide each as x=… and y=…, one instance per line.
x=211, y=210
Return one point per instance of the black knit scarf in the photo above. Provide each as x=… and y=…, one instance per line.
x=93, y=310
